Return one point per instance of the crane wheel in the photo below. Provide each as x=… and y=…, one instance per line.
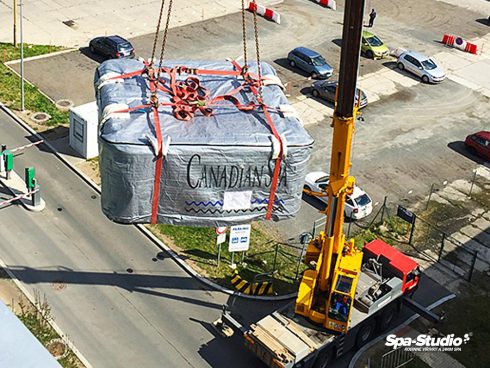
x=386, y=319
x=323, y=359
x=365, y=333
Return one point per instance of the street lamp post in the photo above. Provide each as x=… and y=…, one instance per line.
x=21, y=60
x=15, y=23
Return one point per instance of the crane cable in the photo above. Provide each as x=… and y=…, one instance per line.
x=156, y=33
x=257, y=51
x=244, y=34
x=165, y=32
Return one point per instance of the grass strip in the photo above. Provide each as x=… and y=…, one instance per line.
x=10, y=84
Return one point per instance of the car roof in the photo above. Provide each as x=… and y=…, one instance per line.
x=306, y=51
x=367, y=34
x=118, y=39
x=416, y=55
x=333, y=83
x=484, y=134
x=358, y=192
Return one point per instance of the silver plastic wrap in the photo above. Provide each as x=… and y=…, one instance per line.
x=217, y=170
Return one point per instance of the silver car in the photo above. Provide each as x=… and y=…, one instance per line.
x=327, y=90
x=422, y=66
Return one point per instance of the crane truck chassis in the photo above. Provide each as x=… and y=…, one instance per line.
x=285, y=339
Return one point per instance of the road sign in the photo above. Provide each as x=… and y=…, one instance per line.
x=221, y=238
x=221, y=230
x=405, y=214
x=239, y=238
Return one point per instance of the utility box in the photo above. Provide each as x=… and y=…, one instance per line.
x=83, y=129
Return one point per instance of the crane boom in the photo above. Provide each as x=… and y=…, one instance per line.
x=327, y=289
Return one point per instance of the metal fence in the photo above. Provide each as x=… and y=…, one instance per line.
x=396, y=358
x=440, y=247
x=418, y=238
x=282, y=261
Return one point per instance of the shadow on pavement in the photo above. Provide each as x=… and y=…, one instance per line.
x=459, y=147
x=306, y=91
x=86, y=51
x=337, y=41
x=484, y=21
x=58, y=137
x=393, y=66
x=151, y=284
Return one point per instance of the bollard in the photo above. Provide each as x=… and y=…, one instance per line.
x=29, y=178
x=2, y=162
x=8, y=159
x=36, y=196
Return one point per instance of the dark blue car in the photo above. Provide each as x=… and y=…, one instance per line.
x=311, y=62
x=112, y=47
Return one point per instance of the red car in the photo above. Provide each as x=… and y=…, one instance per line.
x=479, y=144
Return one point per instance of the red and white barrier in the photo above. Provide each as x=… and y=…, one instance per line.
x=26, y=146
x=328, y=3
x=20, y=196
x=267, y=13
x=459, y=43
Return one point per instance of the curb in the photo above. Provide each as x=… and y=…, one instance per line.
x=142, y=228
x=51, y=321
x=42, y=56
x=373, y=342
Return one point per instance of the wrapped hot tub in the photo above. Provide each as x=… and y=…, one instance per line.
x=216, y=170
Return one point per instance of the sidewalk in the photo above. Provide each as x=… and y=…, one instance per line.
x=72, y=23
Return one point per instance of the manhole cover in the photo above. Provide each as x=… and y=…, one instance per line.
x=57, y=348
x=64, y=105
x=40, y=117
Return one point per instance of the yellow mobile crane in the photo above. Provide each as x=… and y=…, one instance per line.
x=327, y=291
x=346, y=294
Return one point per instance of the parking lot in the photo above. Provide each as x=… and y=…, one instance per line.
x=410, y=132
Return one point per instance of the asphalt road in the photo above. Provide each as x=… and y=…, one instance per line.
x=392, y=145
x=111, y=290
x=303, y=23
x=80, y=260
x=118, y=298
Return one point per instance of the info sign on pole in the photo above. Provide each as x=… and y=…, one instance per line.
x=239, y=238
x=221, y=232
x=405, y=214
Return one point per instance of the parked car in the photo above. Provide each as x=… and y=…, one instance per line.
x=372, y=47
x=327, y=91
x=112, y=47
x=422, y=66
x=479, y=144
x=357, y=206
x=311, y=62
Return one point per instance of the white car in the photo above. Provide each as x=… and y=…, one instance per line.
x=357, y=206
x=422, y=66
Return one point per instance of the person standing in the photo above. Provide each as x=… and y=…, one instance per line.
x=372, y=17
